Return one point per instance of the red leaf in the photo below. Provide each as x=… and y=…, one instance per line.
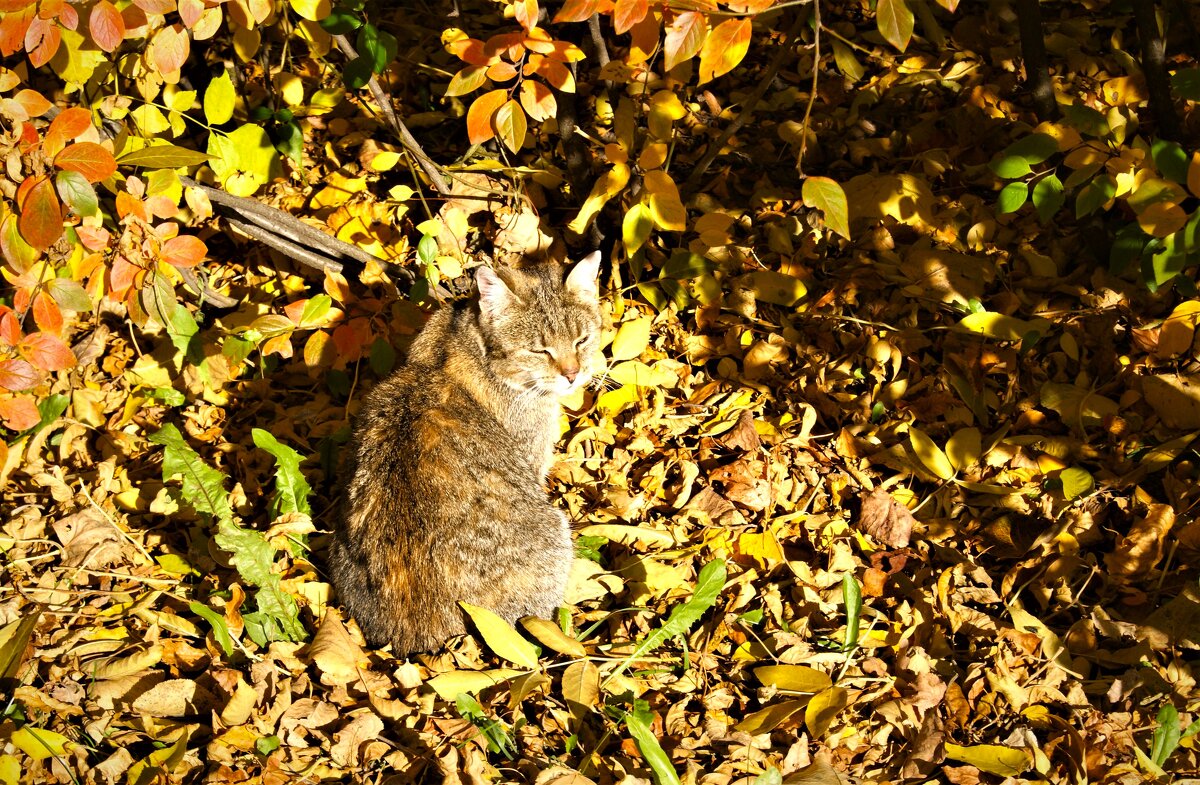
x=184, y=251
x=19, y=414
x=628, y=13
x=576, y=11
x=685, y=36
x=17, y=375
x=13, y=26
x=41, y=221
x=349, y=342
x=479, y=116
x=89, y=159
x=46, y=313
x=41, y=41
x=106, y=25
x=47, y=352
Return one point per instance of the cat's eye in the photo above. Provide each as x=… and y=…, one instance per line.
x=582, y=340
x=545, y=351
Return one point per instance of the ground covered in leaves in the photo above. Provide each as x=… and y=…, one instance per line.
x=946, y=470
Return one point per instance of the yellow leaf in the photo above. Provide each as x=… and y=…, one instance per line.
x=581, y=688
x=290, y=88
x=384, y=160
x=448, y=685
x=636, y=228
x=665, y=109
x=638, y=373
x=964, y=448
x=1001, y=327
x=627, y=535
x=312, y=10
x=511, y=125
x=795, y=678
x=930, y=454
x=664, y=203
x=607, y=186
x=10, y=770
x=219, y=100
x=552, y=637
x=766, y=720
x=992, y=758
x=501, y=637
x=724, y=48
x=39, y=744
x=631, y=339
x=777, y=288
x=823, y=709
x=762, y=547
x=1178, y=330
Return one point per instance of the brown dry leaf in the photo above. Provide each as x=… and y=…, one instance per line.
x=885, y=519
x=336, y=655
x=175, y=698
x=1138, y=551
x=351, y=741
x=1174, y=398
x=90, y=538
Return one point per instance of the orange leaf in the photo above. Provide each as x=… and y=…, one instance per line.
x=13, y=26
x=106, y=25
x=538, y=100
x=33, y=102
x=41, y=221
x=349, y=342
x=479, y=116
x=627, y=13
x=511, y=125
x=93, y=238
x=41, y=41
x=526, y=13
x=724, y=48
x=155, y=6
x=190, y=12
x=69, y=125
x=89, y=159
x=685, y=36
x=47, y=352
x=169, y=49
x=46, y=313
x=557, y=75
x=184, y=251
x=501, y=71
x=17, y=375
x=643, y=39
x=20, y=413
x=319, y=350
x=576, y=11
x=295, y=310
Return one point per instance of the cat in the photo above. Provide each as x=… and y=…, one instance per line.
x=444, y=473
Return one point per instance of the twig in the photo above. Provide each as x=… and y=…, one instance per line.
x=750, y=104
x=409, y=142
x=598, y=40
x=812, y=92
x=201, y=289
x=286, y=247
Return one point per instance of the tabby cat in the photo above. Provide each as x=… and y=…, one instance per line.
x=444, y=498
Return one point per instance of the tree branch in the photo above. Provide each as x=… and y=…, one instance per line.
x=398, y=127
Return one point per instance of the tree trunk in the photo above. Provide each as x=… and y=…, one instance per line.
x=1155, y=69
x=1033, y=53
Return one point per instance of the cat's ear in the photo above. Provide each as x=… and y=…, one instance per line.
x=494, y=295
x=582, y=278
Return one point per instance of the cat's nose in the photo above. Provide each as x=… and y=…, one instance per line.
x=570, y=373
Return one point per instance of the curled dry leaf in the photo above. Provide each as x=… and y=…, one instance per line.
x=1137, y=552
x=90, y=538
x=885, y=519
x=336, y=655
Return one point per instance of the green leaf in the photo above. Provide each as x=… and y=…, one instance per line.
x=847, y=63
x=69, y=294
x=163, y=156
x=1075, y=482
x=1032, y=149
x=1012, y=196
x=315, y=311
x=219, y=626
x=427, y=250
x=1010, y=168
x=291, y=488
x=683, y=265
x=289, y=140
x=341, y=23
x=357, y=73
x=377, y=46
x=709, y=583
x=639, y=724
x=203, y=486
x=1086, y=120
x=383, y=357
x=895, y=21
x=219, y=100
x=1128, y=246
x=852, y=597
x=1094, y=195
x=1171, y=159
x=78, y=194
x=501, y=637
x=1159, y=268
x=1048, y=197
x=827, y=196
x=1186, y=83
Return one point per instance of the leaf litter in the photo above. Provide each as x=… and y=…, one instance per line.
x=919, y=506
